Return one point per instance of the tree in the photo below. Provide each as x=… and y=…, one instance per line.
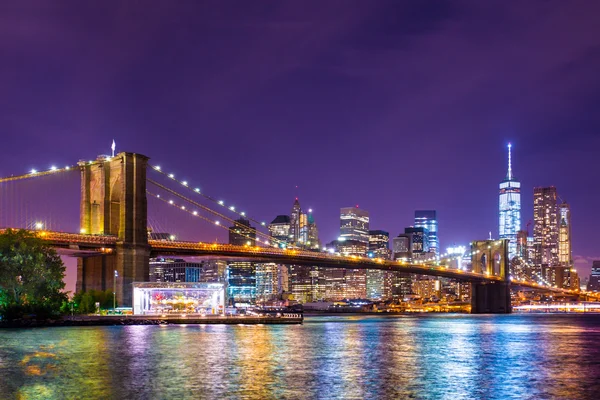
x=31, y=276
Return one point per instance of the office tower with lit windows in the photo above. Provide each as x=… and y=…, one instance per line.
x=546, y=228
x=312, y=232
x=378, y=281
x=271, y=281
x=354, y=224
x=174, y=270
x=419, y=240
x=241, y=275
x=564, y=235
x=295, y=222
x=279, y=229
x=428, y=219
x=594, y=281
x=510, y=208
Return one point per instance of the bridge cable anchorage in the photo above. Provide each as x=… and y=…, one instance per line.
x=36, y=174
x=197, y=191
x=213, y=222
x=205, y=208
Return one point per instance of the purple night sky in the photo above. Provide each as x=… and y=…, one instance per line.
x=394, y=106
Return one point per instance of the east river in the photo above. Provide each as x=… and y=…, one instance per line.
x=552, y=356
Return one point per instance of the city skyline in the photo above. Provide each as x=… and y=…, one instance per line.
x=323, y=108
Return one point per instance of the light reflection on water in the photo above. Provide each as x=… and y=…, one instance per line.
x=345, y=357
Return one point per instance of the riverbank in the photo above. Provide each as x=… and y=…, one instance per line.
x=181, y=319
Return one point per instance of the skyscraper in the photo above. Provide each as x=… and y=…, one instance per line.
x=241, y=275
x=428, y=219
x=354, y=224
x=295, y=217
x=594, y=282
x=564, y=235
x=510, y=208
x=379, y=282
x=279, y=229
x=545, y=230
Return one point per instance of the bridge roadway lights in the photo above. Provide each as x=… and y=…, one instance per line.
x=490, y=298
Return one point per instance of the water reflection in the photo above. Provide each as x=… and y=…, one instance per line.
x=436, y=356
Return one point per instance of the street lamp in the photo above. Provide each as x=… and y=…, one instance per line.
x=115, y=291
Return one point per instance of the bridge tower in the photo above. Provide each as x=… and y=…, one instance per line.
x=113, y=202
x=490, y=257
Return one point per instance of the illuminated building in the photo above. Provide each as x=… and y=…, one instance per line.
x=312, y=232
x=242, y=233
x=153, y=298
x=241, y=275
x=427, y=287
x=303, y=230
x=428, y=219
x=401, y=247
x=564, y=236
x=378, y=281
x=546, y=228
x=419, y=240
x=307, y=284
x=354, y=224
x=279, y=229
x=174, y=270
x=213, y=271
x=295, y=222
x=346, y=283
x=271, y=281
x=510, y=208
x=594, y=281
x=241, y=282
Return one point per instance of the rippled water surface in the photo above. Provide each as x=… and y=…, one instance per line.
x=347, y=357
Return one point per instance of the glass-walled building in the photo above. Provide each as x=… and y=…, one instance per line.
x=174, y=270
x=354, y=224
x=428, y=219
x=510, y=209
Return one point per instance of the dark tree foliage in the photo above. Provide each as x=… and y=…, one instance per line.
x=85, y=302
x=31, y=277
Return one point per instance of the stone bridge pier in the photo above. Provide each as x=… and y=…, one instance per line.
x=490, y=257
x=113, y=202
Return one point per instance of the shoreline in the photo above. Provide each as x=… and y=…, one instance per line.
x=126, y=320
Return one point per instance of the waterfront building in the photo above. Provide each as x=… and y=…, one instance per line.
x=546, y=229
x=428, y=219
x=241, y=282
x=594, y=281
x=213, y=271
x=174, y=270
x=159, y=298
x=354, y=224
x=279, y=229
x=510, y=208
x=307, y=284
x=271, y=281
x=426, y=287
x=242, y=233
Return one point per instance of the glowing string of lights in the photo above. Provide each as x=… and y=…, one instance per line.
x=208, y=209
x=197, y=190
x=198, y=215
x=36, y=174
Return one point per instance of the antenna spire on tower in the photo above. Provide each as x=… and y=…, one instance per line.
x=113, y=147
x=509, y=176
